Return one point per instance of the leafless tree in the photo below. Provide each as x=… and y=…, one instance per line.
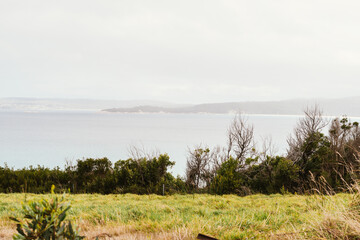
x=311, y=123
x=240, y=138
x=140, y=152
x=218, y=156
x=202, y=165
x=268, y=148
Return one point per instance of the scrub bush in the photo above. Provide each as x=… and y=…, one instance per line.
x=45, y=220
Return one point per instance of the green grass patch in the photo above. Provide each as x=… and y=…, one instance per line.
x=225, y=217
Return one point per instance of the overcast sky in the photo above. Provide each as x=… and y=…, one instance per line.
x=180, y=51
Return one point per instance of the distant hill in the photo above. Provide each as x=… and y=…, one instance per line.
x=43, y=104
x=333, y=107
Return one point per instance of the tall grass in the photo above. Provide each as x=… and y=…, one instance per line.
x=340, y=220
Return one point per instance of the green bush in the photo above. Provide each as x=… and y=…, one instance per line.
x=45, y=220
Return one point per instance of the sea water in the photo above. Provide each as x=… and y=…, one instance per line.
x=51, y=138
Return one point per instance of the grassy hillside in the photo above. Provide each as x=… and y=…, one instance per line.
x=184, y=216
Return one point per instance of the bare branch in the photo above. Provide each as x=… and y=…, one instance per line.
x=140, y=152
x=240, y=138
x=312, y=123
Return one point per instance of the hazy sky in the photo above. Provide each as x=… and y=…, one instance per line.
x=180, y=51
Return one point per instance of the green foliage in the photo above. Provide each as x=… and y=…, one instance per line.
x=229, y=178
x=143, y=175
x=45, y=219
x=274, y=175
x=94, y=175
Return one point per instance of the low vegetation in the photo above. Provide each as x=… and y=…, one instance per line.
x=45, y=219
x=128, y=216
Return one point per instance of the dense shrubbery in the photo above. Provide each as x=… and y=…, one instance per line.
x=240, y=168
x=96, y=176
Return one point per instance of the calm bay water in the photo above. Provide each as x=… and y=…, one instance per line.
x=49, y=139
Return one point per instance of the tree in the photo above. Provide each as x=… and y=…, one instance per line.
x=273, y=174
x=229, y=179
x=344, y=137
x=240, y=139
x=142, y=175
x=312, y=123
x=94, y=175
x=198, y=167
x=309, y=148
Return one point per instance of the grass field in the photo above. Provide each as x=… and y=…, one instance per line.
x=184, y=216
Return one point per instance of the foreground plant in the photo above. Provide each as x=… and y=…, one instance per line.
x=45, y=219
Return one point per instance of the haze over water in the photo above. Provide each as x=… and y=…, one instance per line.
x=49, y=139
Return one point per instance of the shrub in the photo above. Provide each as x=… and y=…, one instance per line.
x=45, y=219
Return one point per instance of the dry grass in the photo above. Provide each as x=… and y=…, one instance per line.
x=123, y=232
x=6, y=232
x=114, y=232
x=341, y=223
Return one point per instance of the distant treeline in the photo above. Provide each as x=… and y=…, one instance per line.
x=140, y=176
x=314, y=160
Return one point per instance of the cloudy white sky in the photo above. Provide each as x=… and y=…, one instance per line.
x=184, y=51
